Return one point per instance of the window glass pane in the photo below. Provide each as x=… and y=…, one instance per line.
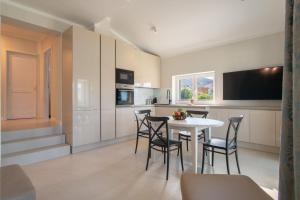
x=185, y=89
x=205, y=88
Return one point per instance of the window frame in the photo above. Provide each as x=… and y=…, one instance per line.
x=194, y=77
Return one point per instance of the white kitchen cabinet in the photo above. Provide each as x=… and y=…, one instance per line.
x=164, y=111
x=147, y=74
x=81, y=86
x=262, y=128
x=244, y=129
x=278, y=116
x=222, y=115
x=126, y=56
x=86, y=127
x=125, y=122
x=86, y=69
x=108, y=91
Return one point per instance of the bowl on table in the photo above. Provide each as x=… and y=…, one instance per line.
x=179, y=115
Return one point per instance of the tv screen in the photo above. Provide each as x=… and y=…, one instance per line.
x=257, y=84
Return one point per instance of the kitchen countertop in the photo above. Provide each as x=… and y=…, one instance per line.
x=219, y=106
x=216, y=106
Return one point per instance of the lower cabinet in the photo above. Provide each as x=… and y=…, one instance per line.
x=108, y=126
x=86, y=127
x=262, y=129
x=125, y=122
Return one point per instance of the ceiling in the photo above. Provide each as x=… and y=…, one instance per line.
x=182, y=25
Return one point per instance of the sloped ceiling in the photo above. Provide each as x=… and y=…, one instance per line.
x=182, y=25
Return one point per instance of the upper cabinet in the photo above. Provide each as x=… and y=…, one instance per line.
x=148, y=72
x=146, y=66
x=86, y=69
x=126, y=56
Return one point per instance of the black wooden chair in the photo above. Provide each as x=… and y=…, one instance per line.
x=226, y=146
x=142, y=126
x=185, y=135
x=159, y=142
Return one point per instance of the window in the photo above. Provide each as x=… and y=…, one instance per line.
x=198, y=87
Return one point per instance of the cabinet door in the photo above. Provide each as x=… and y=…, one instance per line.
x=278, y=127
x=164, y=111
x=244, y=130
x=222, y=115
x=148, y=72
x=86, y=127
x=86, y=69
x=108, y=91
x=126, y=56
x=262, y=127
x=125, y=122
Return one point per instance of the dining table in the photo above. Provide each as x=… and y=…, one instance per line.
x=194, y=126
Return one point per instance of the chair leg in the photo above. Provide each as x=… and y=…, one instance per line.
x=203, y=159
x=237, y=161
x=164, y=155
x=212, y=156
x=168, y=163
x=181, y=157
x=227, y=163
x=187, y=145
x=136, y=143
x=179, y=138
x=148, y=157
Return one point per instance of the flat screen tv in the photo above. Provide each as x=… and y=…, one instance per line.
x=256, y=84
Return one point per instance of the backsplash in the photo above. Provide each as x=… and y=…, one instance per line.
x=142, y=94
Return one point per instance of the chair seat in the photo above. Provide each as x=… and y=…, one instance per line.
x=212, y=187
x=219, y=143
x=160, y=143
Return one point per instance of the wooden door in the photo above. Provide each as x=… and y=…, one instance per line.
x=21, y=91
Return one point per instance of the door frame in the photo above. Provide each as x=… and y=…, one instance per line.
x=6, y=87
x=47, y=82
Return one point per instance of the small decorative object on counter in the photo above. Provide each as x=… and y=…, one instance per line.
x=179, y=115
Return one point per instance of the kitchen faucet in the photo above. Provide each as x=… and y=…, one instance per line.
x=169, y=95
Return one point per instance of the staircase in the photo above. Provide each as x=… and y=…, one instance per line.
x=33, y=145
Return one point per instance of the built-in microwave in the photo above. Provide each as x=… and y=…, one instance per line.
x=124, y=94
x=124, y=76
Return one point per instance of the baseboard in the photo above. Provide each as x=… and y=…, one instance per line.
x=259, y=147
x=101, y=144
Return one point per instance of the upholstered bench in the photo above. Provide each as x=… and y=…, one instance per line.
x=219, y=186
x=15, y=184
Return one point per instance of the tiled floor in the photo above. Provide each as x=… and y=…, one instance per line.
x=115, y=172
x=19, y=124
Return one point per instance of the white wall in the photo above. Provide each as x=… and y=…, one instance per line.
x=249, y=54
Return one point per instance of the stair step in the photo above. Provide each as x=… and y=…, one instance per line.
x=36, y=155
x=29, y=133
x=14, y=146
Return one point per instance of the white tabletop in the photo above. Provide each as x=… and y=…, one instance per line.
x=190, y=122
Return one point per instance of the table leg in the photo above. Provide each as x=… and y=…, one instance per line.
x=171, y=131
x=208, y=137
x=194, y=149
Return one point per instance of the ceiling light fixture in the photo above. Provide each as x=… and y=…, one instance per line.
x=153, y=29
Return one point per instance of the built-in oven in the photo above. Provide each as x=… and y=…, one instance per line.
x=124, y=76
x=124, y=94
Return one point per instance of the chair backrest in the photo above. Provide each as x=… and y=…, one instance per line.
x=140, y=116
x=155, y=125
x=234, y=124
x=195, y=113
